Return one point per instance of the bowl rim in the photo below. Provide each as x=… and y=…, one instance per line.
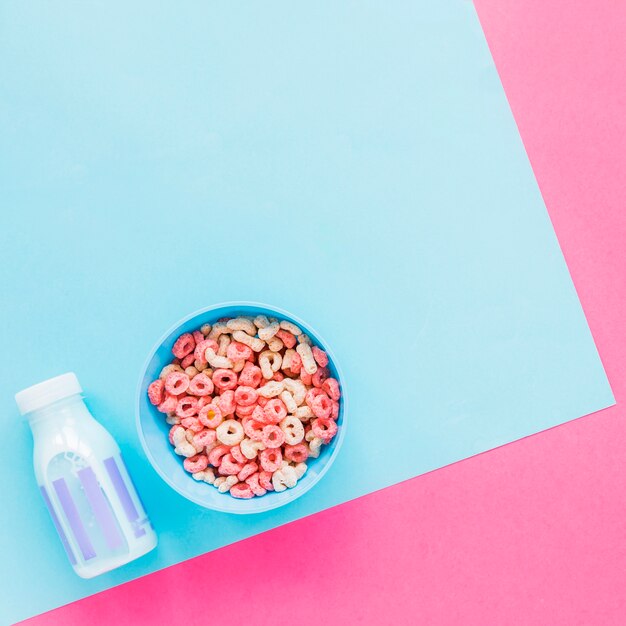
x=270, y=308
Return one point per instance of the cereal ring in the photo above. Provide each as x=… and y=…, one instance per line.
x=334, y=414
x=270, y=460
x=241, y=490
x=197, y=336
x=297, y=390
x=172, y=367
x=289, y=401
x=298, y=453
x=267, y=332
x=238, y=366
x=230, y=432
x=260, y=321
x=278, y=376
x=262, y=401
x=300, y=469
x=228, y=466
x=176, y=435
x=321, y=358
x=265, y=480
x=296, y=363
x=184, y=448
x=244, y=411
x=253, y=483
x=191, y=371
x=183, y=346
x=207, y=475
x=204, y=438
x=315, y=446
x=224, y=379
x=331, y=387
x=308, y=362
x=272, y=389
x=306, y=378
x=187, y=406
x=274, y=411
x=211, y=415
x=325, y=429
x=320, y=376
x=305, y=339
x=224, y=342
x=176, y=383
x=201, y=385
x=244, y=324
x=205, y=329
x=187, y=361
x=169, y=404
x=304, y=413
x=192, y=424
x=200, y=351
x=287, y=338
x=246, y=396
x=253, y=429
x=269, y=363
x=275, y=344
x=224, y=483
x=322, y=406
x=250, y=448
x=293, y=429
x=272, y=436
x=290, y=328
x=251, y=375
x=238, y=454
x=238, y=351
x=216, y=455
x=311, y=394
x=226, y=402
x=219, y=328
x=217, y=361
x=197, y=463
x=200, y=366
x=253, y=342
x=156, y=392
x=247, y=471
x=284, y=478
x=172, y=419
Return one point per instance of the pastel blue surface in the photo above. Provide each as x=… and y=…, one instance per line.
x=153, y=430
x=355, y=163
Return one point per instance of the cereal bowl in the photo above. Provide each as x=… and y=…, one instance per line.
x=153, y=429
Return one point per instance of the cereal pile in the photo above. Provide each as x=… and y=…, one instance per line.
x=249, y=401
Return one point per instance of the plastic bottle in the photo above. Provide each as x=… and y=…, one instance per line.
x=83, y=479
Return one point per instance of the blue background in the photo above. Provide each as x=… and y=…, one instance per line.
x=355, y=163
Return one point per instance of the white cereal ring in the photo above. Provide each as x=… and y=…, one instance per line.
x=315, y=446
x=304, y=338
x=230, y=432
x=242, y=323
x=223, y=343
x=308, y=362
x=185, y=449
x=253, y=342
x=290, y=328
x=216, y=361
x=168, y=369
x=267, y=332
x=300, y=470
x=191, y=371
x=238, y=366
x=172, y=419
x=293, y=429
x=200, y=365
x=275, y=344
x=290, y=403
x=304, y=413
x=297, y=389
x=250, y=448
x=207, y=475
x=219, y=328
x=261, y=321
x=272, y=389
x=287, y=358
x=269, y=362
x=205, y=329
x=224, y=485
x=284, y=478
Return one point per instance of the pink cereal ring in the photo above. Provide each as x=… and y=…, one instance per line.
x=198, y=336
x=215, y=456
x=228, y=466
x=271, y=460
x=253, y=429
x=247, y=471
x=262, y=401
x=307, y=379
x=250, y=375
x=204, y=438
x=287, y=338
x=201, y=385
x=275, y=410
x=238, y=351
x=273, y=436
x=246, y=396
x=238, y=454
x=187, y=361
x=211, y=416
x=173, y=429
x=311, y=394
x=183, y=346
x=325, y=429
x=334, y=414
x=192, y=423
x=201, y=348
x=176, y=383
x=296, y=364
x=187, y=406
x=253, y=483
x=320, y=376
x=298, y=453
x=258, y=414
x=226, y=402
x=241, y=490
x=244, y=411
x=156, y=392
x=321, y=358
x=196, y=463
x=278, y=376
x=265, y=480
x=331, y=387
x=322, y=406
x=203, y=401
x=224, y=379
x=169, y=404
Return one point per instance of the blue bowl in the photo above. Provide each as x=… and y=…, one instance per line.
x=153, y=429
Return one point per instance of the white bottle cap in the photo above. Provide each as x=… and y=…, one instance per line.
x=47, y=392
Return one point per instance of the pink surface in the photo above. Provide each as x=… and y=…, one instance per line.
x=531, y=533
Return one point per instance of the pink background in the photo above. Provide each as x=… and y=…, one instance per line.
x=531, y=533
